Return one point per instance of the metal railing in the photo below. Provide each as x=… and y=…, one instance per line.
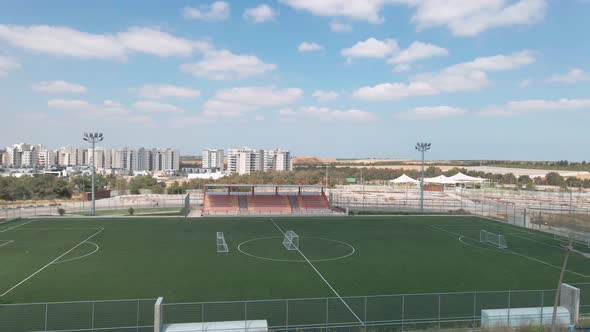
x=121, y=315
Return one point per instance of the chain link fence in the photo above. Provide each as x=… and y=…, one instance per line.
x=112, y=315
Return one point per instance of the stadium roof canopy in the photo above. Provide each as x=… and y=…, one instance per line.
x=404, y=179
x=462, y=178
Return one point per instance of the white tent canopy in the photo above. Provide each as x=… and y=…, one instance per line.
x=441, y=179
x=403, y=179
x=462, y=178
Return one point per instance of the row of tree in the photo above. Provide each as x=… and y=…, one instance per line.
x=49, y=187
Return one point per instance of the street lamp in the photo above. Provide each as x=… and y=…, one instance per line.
x=422, y=147
x=93, y=138
x=568, y=249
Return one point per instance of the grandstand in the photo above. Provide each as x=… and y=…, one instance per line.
x=271, y=199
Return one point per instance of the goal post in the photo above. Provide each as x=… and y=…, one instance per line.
x=221, y=243
x=497, y=240
x=291, y=240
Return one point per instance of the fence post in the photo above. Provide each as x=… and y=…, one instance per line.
x=46, y=305
x=474, y=307
x=439, y=311
x=403, y=310
x=245, y=315
x=509, y=293
x=542, y=305
x=287, y=314
x=92, y=322
x=365, y=310
x=137, y=318
x=158, y=314
x=327, y=311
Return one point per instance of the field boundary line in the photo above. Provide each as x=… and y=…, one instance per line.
x=53, y=261
x=6, y=242
x=513, y=252
x=55, y=228
x=321, y=276
x=540, y=242
x=80, y=257
x=13, y=227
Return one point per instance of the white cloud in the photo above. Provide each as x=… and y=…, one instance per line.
x=309, y=47
x=166, y=90
x=287, y=112
x=535, y=105
x=336, y=26
x=262, y=13
x=431, y=113
x=325, y=96
x=217, y=11
x=334, y=115
x=7, y=64
x=469, y=18
x=58, y=87
x=65, y=41
x=418, y=51
x=107, y=110
x=466, y=76
x=234, y=102
x=371, y=48
x=462, y=18
x=403, y=67
x=149, y=106
x=224, y=65
x=362, y=10
x=573, y=76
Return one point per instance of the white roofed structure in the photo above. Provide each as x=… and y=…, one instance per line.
x=462, y=178
x=404, y=179
x=441, y=179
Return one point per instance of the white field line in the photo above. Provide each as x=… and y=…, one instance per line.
x=13, y=227
x=97, y=247
x=5, y=243
x=54, y=228
x=513, y=252
x=540, y=242
x=321, y=276
x=53, y=261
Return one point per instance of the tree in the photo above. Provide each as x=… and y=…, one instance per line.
x=554, y=179
x=175, y=189
x=131, y=211
x=61, y=211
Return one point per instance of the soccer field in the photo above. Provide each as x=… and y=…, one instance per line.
x=93, y=259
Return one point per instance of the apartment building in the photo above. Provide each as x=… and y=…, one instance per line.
x=213, y=159
x=246, y=160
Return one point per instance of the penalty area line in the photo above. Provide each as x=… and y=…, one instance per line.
x=53, y=261
x=19, y=225
x=321, y=276
x=6, y=242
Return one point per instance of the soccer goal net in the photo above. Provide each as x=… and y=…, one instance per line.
x=497, y=240
x=291, y=241
x=221, y=244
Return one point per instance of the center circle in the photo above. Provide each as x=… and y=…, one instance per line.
x=316, y=249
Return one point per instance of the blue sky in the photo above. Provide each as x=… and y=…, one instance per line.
x=495, y=79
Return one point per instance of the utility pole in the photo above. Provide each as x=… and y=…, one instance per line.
x=93, y=138
x=422, y=147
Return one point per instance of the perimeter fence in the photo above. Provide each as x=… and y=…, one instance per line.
x=351, y=313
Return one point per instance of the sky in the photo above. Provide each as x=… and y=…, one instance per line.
x=486, y=79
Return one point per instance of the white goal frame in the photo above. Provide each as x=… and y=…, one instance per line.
x=291, y=240
x=498, y=240
x=221, y=244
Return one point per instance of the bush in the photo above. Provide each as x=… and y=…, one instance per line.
x=131, y=211
x=61, y=211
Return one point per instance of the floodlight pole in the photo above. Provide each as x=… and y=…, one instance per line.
x=422, y=147
x=568, y=249
x=326, y=181
x=93, y=138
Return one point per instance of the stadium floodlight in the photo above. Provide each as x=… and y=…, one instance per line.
x=568, y=249
x=93, y=138
x=422, y=147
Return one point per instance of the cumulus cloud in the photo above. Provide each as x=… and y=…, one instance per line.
x=7, y=64
x=466, y=76
x=236, y=101
x=418, y=51
x=224, y=65
x=217, y=11
x=573, y=76
x=462, y=18
x=402, y=68
x=58, y=87
x=371, y=48
x=107, y=110
x=161, y=91
x=309, y=47
x=150, y=106
x=525, y=83
x=337, y=26
x=260, y=14
x=65, y=41
x=535, y=105
x=334, y=115
x=325, y=96
x=431, y=113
